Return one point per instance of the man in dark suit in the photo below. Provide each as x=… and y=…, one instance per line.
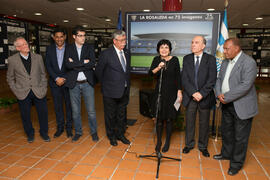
x=198, y=80
x=57, y=79
x=113, y=72
x=236, y=91
x=26, y=78
x=80, y=61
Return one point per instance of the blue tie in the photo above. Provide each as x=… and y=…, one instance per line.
x=196, y=71
x=123, y=63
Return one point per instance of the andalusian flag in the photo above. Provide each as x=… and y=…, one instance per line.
x=222, y=38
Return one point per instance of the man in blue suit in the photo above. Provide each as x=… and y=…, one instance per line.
x=80, y=61
x=113, y=72
x=57, y=78
x=236, y=91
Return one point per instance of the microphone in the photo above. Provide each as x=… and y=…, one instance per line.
x=165, y=63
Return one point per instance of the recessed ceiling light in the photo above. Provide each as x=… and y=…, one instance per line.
x=65, y=21
x=84, y=25
x=211, y=9
x=107, y=20
x=38, y=14
x=259, y=18
x=245, y=24
x=79, y=9
x=14, y=15
x=146, y=10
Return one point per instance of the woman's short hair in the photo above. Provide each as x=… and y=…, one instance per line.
x=164, y=42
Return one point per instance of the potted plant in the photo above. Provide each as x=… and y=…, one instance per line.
x=6, y=104
x=257, y=88
x=179, y=122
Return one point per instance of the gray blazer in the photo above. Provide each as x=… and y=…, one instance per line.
x=242, y=90
x=21, y=82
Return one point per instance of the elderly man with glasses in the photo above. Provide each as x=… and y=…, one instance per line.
x=113, y=72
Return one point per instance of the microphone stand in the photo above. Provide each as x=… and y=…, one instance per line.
x=159, y=155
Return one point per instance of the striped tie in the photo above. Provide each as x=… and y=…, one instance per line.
x=123, y=63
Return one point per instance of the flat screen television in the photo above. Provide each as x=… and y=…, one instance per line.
x=144, y=30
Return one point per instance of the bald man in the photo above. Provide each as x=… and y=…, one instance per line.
x=26, y=78
x=198, y=80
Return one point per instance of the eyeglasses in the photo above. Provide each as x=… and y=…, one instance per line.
x=80, y=35
x=121, y=40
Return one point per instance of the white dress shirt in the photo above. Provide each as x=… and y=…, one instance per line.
x=81, y=76
x=118, y=54
x=225, y=84
x=195, y=58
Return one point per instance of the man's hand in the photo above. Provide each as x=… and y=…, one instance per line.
x=197, y=96
x=70, y=60
x=86, y=61
x=221, y=98
x=60, y=81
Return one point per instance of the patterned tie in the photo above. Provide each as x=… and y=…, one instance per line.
x=123, y=63
x=196, y=71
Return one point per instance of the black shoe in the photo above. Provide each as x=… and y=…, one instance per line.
x=123, y=139
x=186, y=150
x=45, y=137
x=205, y=152
x=220, y=157
x=166, y=147
x=58, y=133
x=76, y=137
x=30, y=139
x=158, y=146
x=232, y=171
x=113, y=142
x=69, y=133
x=95, y=137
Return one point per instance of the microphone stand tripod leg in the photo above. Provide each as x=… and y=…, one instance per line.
x=159, y=156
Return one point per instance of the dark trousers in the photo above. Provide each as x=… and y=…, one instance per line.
x=204, y=115
x=60, y=96
x=115, y=114
x=42, y=110
x=235, y=134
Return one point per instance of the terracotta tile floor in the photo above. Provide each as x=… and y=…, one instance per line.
x=62, y=159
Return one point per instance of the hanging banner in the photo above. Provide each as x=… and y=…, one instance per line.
x=172, y=5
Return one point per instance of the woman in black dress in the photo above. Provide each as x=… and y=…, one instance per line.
x=170, y=90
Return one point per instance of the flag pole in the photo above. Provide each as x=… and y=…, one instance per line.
x=223, y=36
